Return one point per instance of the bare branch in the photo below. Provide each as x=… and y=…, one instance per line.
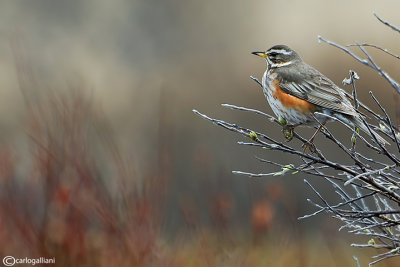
x=387, y=23
x=377, y=47
x=365, y=62
x=388, y=121
x=256, y=80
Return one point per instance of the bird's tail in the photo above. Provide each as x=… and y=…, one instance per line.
x=357, y=122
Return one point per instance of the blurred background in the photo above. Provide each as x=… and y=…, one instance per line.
x=102, y=161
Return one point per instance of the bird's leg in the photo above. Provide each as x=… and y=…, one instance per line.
x=311, y=140
x=316, y=132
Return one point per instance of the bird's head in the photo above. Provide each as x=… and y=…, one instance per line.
x=279, y=56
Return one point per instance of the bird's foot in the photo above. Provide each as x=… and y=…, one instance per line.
x=309, y=145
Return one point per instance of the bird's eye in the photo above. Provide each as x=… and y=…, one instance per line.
x=272, y=54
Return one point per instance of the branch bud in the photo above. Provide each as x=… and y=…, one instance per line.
x=253, y=136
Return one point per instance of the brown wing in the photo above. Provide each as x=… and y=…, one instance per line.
x=315, y=88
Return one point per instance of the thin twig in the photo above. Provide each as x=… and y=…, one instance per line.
x=387, y=23
x=388, y=121
x=365, y=62
x=377, y=47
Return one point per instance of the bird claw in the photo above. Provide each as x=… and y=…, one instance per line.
x=310, y=146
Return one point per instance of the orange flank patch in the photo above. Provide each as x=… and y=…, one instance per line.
x=290, y=101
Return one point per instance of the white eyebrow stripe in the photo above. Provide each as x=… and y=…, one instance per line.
x=281, y=51
x=277, y=65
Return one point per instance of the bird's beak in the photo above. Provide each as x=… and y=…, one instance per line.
x=260, y=54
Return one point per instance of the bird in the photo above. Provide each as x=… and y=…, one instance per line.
x=301, y=95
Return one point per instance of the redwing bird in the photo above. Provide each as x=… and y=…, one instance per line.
x=297, y=92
